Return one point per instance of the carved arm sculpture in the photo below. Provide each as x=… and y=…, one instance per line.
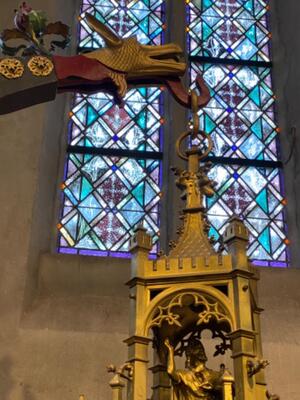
x=272, y=396
x=254, y=367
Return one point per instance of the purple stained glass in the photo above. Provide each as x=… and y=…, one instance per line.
x=229, y=29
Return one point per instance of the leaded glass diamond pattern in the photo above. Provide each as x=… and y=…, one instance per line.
x=240, y=115
x=97, y=122
x=104, y=198
x=255, y=195
x=141, y=18
x=234, y=29
x=240, y=120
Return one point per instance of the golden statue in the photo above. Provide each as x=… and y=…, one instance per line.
x=196, y=381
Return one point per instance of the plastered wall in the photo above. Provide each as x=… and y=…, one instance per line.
x=63, y=318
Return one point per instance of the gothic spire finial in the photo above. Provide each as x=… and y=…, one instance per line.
x=194, y=184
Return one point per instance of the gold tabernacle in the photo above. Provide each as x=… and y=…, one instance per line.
x=174, y=298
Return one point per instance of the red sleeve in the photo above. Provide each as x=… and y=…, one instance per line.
x=79, y=67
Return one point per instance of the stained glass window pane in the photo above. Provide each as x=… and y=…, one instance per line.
x=255, y=195
x=142, y=18
x=97, y=122
x=240, y=114
x=104, y=198
x=233, y=39
x=232, y=29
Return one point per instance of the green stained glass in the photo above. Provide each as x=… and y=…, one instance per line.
x=138, y=193
x=262, y=200
x=86, y=188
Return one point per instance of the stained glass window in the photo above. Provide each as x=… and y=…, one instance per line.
x=229, y=44
x=230, y=29
x=113, y=169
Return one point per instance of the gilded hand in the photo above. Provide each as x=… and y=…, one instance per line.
x=168, y=345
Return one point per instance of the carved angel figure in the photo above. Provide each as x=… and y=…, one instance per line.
x=196, y=381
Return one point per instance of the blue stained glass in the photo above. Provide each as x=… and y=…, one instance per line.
x=71, y=226
x=246, y=49
x=264, y=240
x=89, y=213
x=94, y=168
x=132, y=205
x=262, y=200
x=132, y=171
x=240, y=120
x=104, y=197
x=92, y=115
x=135, y=127
x=141, y=18
x=150, y=193
x=251, y=196
x=237, y=116
x=227, y=29
x=133, y=217
x=118, y=200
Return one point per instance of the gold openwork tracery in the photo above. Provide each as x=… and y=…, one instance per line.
x=210, y=310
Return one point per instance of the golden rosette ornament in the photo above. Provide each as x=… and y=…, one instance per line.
x=11, y=68
x=40, y=66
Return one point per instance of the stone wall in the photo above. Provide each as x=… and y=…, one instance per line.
x=76, y=325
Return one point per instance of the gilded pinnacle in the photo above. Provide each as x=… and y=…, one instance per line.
x=194, y=184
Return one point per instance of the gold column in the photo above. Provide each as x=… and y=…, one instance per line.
x=161, y=381
x=117, y=388
x=243, y=350
x=140, y=246
x=236, y=238
x=227, y=386
x=138, y=357
x=260, y=380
